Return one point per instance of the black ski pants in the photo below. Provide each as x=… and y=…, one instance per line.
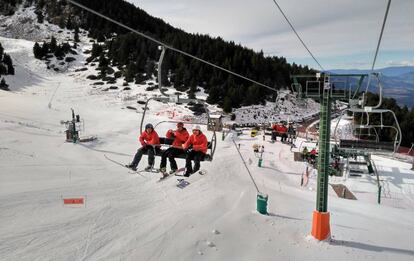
x=151, y=155
x=197, y=156
x=170, y=153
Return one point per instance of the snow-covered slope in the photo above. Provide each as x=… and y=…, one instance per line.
x=132, y=217
x=23, y=25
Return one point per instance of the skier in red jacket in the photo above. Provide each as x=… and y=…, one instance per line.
x=180, y=136
x=150, y=143
x=199, y=149
x=283, y=132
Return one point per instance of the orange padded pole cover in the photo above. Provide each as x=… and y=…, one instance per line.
x=320, y=225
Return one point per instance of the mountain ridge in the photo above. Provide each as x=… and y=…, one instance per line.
x=398, y=82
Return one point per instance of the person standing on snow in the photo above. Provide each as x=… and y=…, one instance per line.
x=291, y=133
x=150, y=143
x=180, y=136
x=199, y=142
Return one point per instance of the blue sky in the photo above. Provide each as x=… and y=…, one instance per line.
x=341, y=34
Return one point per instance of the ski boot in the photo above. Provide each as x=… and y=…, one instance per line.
x=131, y=166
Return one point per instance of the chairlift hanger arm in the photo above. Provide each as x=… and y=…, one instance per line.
x=171, y=98
x=159, y=71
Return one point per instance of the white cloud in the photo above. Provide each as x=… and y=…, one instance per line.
x=330, y=28
x=400, y=63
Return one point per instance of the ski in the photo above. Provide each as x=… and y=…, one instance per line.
x=123, y=165
x=166, y=175
x=201, y=172
x=184, y=182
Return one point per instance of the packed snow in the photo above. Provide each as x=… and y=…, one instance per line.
x=130, y=216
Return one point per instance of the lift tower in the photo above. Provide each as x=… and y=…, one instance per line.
x=320, y=87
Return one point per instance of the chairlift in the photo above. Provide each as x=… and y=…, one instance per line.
x=370, y=134
x=357, y=106
x=175, y=98
x=165, y=142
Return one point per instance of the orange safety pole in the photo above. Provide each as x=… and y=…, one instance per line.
x=320, y=225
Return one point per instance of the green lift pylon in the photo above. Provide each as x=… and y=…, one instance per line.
x=321, y=89
x=320, y=223
x=324, y=149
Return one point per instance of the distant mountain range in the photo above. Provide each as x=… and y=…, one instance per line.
x=398, y=82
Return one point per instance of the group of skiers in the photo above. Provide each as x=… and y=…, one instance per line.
x=194, y=146
x=287, y=133
x=310, y=156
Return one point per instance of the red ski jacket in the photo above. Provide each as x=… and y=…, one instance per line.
x=149, y=138
x=283, y=129
x=199, y=142
x=276, y=127
x=180, y=137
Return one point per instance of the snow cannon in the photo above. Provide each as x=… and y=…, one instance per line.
x=259, y=164
x=262, y=203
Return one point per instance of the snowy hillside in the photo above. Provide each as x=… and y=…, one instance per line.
x=23, y=25
x=286, y=108
x=131, y=216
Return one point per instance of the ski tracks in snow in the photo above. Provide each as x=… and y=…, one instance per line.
x=91, y=230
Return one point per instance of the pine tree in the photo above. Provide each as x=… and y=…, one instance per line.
x=150, y=68
x=213, y=95
x=53, y=44
x=130, y=72
x=10, y=69
x=40, y=16
x=4, y=85
x=69, y=24
x=66, y=47
x=103, y=64
x=8, y=62
x=100, y=38
x=76, y=35
x=227, y=106
x=96, y=50
x=193, y=89
x=62, y=22
x=37, y=51
x=45, y=49
x=3, y=69
x=59, y=52
x=1, y=52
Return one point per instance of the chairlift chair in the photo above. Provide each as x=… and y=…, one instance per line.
x=166, y=98
x=357, y=106
x=165, y=142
